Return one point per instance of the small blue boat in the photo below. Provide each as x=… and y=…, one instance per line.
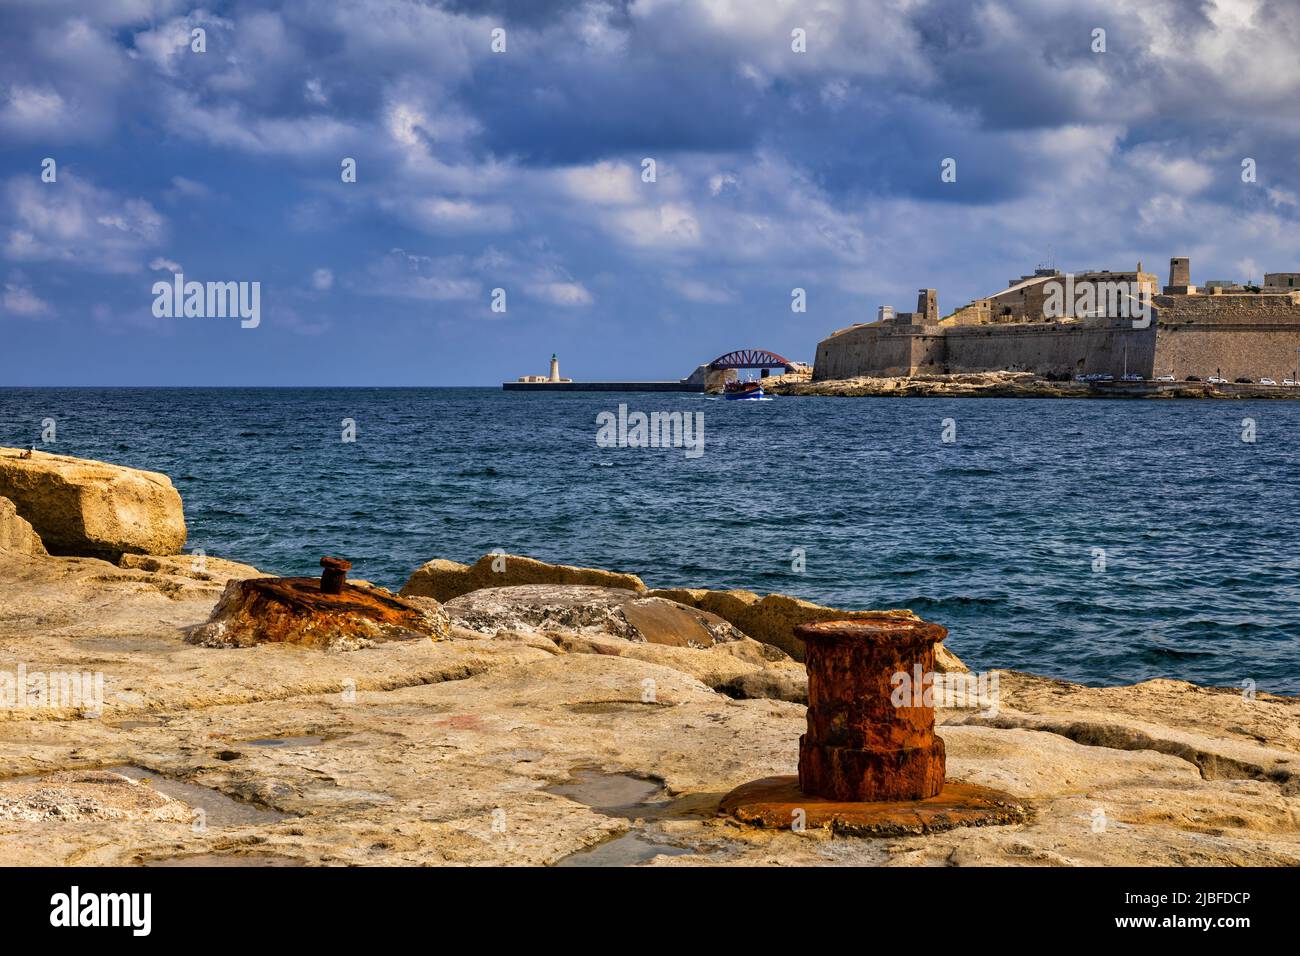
x=739, y=391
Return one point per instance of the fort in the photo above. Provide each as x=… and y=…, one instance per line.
x=1089, y=325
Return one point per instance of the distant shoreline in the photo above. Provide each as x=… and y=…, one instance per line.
x=1019, y=385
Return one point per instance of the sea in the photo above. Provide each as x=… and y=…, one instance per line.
x=1098, y=541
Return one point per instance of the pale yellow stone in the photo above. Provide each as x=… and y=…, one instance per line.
x=91, y=508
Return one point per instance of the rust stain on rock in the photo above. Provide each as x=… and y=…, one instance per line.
x=778, y=803
x=298, y=611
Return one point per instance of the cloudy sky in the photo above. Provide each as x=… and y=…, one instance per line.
x=522, y=170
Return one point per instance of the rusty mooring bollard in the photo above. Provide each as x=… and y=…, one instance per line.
x=859, y=746
x=335, y=573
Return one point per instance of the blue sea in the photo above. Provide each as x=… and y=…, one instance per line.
x=1098, y=541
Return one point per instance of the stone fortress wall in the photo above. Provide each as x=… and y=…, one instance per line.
x=1233, y=331
x=1234, y=336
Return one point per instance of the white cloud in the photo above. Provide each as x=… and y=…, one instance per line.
x=606, y=183
x=670, y=225
x=703, y=292
x=158, y=264
x=31, y=109
x=561, y=293
x=182, y=188
x=322, y=280
x=74, y=222
x=232, y=126
x=409, y=276
x=19, y=300
x=441, y=215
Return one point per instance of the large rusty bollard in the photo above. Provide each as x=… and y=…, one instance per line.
x=860, y=746
x=334, y=575
x=870, y=763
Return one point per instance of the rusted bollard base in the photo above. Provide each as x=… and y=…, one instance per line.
x=773, y=803
x=913, y=773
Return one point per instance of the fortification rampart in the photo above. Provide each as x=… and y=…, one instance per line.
x=1053, y=349
x=1234, y=335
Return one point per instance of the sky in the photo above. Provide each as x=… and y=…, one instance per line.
x=504, y=146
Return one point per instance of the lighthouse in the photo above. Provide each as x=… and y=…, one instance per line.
x=555, y=368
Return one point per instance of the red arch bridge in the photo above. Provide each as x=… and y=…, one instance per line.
x=751, y=358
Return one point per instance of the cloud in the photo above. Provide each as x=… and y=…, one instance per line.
x=160, y=263
x=703, y=292
x=322, y=280
x=19, y=300
x=441, y=214
x=604, y=183
x=182, y=188
x=561, y=293
x=411, y=276
x=71, y=221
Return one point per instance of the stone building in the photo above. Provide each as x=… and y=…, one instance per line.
x=1090, y=323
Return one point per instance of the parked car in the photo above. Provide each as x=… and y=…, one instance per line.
x=1132, y=377
x=1243, y=381
x=1288, y=381
x=1267, y=381
x=1166, y=378
x=1215, y=380
x=1192, y=378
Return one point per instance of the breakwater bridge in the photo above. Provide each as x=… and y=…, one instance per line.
x=709, y=374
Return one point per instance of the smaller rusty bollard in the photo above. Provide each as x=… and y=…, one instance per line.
x=334, y=575
x=860, y=746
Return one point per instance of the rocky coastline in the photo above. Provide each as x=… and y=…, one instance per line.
x=512, y=711
x=1013, y=385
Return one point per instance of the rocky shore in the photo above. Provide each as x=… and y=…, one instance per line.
x=516, y=712
x=1013, y=385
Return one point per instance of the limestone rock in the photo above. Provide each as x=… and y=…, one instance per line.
x=593, y=610
x=16, y=533
x=197, y=567
x=772, y=619
x=78, y=796
x=91, y=508
x=295, y=611
x=1179, y=775
x=769, y=620
x=614, y=622
x=444, y=580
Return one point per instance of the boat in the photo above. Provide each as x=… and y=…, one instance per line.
x=737, y=391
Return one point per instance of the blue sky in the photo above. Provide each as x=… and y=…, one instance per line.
x=521, y=170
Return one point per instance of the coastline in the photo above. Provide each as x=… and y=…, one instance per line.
x=346, y=758
x=532, y=713
x=1016, y=385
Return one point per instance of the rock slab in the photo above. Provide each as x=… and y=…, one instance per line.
x=617, y=612
x=443, y=580
x=84, y=508
x=16, y=533
x=769, y=620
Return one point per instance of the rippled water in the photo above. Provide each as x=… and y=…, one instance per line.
x=992, y=535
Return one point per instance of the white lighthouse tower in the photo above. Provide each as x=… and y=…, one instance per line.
x=555, y=368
